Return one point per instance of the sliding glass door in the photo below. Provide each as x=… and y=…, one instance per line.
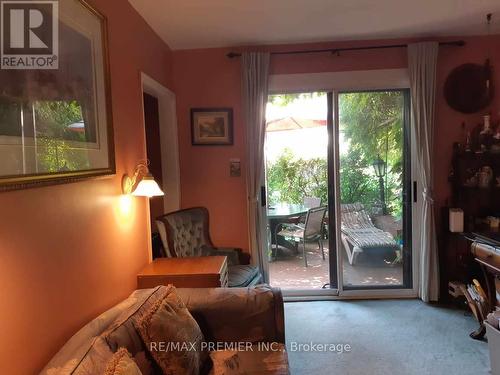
x=345, y=154
x=296, y=153
x=373, y=184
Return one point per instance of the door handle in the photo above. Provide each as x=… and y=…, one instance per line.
x=263, y=196
x=415, y=192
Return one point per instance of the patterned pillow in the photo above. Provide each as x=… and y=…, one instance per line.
x=259, y=360
x=123, y=334
x=172, y=336
x=122, y=364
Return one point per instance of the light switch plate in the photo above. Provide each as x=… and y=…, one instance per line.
x=235, y=167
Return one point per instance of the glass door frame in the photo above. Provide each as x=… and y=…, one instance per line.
x=335, y=82
x=408, y=289
x=324, y=293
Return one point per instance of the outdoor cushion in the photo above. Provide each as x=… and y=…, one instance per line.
x=366, y=238
x=354, y=216
x=295, y=231
x=359, y=233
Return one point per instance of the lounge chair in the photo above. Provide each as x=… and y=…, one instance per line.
x=358, y=233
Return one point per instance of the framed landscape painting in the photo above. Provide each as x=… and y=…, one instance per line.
x=211, y=126
x=55, y=122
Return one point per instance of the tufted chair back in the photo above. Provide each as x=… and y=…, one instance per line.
x=184, y=233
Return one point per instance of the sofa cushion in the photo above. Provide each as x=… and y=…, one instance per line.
x=86, y=347
x=237, y=314
x=270, y=359
x=122, y=363
x=240, y=276
x=123, y=334
x=93, y=362
x=168, y=322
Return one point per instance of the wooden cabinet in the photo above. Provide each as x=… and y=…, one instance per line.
x=455, y=258
x=476, y=201
x=193, y=272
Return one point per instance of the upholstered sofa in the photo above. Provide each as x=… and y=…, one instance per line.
x=225, y=316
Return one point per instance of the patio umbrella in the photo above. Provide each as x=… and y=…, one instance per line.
x=292, y=123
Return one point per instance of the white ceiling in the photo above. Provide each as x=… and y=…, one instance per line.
x=185, y=24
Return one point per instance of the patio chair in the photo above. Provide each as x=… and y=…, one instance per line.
x=312, y=202
x=307, y=202
x=310, y=231
x=358, y=233
x=185, y=233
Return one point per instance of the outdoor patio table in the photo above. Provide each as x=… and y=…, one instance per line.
x=285, y=211
x=282, y=213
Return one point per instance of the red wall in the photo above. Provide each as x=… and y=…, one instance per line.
x=448, y=121
x=69, y=252
x=207, y=78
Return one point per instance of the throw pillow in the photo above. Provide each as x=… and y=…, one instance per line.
x=172, y=336
x=122, y=364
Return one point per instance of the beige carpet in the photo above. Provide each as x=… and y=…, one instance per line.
x=387, y=337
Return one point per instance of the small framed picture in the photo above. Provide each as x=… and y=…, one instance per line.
x=211, y=126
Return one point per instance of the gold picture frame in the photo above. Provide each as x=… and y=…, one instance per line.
x=56, y=125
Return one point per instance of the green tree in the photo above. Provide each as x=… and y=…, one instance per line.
x=372, y=122
x=54, y=137
x=356, y=182
x=290, y=179
x=54, y=117
x=283, y=100
x=372, y=125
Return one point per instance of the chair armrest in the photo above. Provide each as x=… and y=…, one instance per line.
x=243, y=257
x=292, y=226
x=234, y=255
x=237, y=314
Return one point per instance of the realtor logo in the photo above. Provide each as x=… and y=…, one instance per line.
x=29, y=34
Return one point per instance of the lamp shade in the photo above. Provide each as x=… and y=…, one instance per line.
x=380, y=167
x=147, y=187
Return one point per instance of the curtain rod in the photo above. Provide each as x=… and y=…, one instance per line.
x=457, y=43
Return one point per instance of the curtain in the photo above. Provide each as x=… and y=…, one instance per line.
x=254, y=75
x=422, y=61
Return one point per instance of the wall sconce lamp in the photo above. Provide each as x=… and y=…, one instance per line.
x=143, y=181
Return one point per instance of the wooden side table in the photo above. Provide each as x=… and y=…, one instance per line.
x=192, y=272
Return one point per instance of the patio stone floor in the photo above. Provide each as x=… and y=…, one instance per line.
x=288, y=270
